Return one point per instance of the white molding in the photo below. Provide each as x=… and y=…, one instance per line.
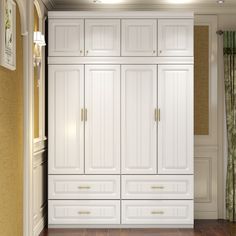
x=196, y=8
x=208, y=203
x=39, y=144
x=122, y=226
x=40, y=226
x=28, y=125
x=120, y=60
x=119, y=14
x=48, y=4
x=205, y=215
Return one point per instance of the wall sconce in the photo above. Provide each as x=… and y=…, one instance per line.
x=39, y=41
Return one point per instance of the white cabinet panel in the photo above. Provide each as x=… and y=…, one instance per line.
x=102, y=37
x=157, y=187
x=175, y=37
x=102, y=128
x=66, y=98
x=84, y=212
x=84, y=187
x=66, y=37
x=175, y=128
x=139, y=128
x=157, y=212
x=139, y=37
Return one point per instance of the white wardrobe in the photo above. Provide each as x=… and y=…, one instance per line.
x=120, y=119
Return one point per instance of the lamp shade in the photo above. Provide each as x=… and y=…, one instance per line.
x=39, y=38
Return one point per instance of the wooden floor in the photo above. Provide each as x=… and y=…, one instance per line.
x=202, y=228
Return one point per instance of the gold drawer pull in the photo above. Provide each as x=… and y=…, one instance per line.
x=157, y=212
x=158, y=187
x=84, y=187
x=84, y=212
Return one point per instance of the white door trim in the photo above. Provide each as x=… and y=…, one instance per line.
x=206, y=146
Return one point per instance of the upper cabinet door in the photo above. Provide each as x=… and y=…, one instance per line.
x=175, y=37
x=102, y=125
x=66, y=37
x=139, y=127
x=139, y=37
x=102, y=37
x=175, y=128
x=66, y=130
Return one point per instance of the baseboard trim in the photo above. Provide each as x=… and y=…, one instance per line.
x=205, y=215
x=120, y=226
x=40, y=226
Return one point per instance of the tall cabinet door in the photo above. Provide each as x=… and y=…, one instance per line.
x=175, y=128
x=102, y=115
x=139, y=127
x=66, y=130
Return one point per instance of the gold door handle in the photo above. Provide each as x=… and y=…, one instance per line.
x=154, y=51
x=81, y=51
x=85, y=114
x=157, y=212
x=157, y=187
x=84, y=187
x=87, y=52
x=82, y=114
x=84, y=212
x=155, y=115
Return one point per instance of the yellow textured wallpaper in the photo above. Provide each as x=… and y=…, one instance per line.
x=36, y=88
x=11, y=144
x=201, y=80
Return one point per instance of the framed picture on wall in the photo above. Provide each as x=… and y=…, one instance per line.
x=8, y=34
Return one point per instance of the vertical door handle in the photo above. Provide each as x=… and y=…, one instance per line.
x=157, y=115
x=82, y=114
x=85, y=114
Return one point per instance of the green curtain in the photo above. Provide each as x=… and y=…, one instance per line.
x=230, y=101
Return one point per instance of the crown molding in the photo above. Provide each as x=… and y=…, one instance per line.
x=196, y=8
x=49, y=4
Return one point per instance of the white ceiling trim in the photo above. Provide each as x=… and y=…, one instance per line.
x=196, y=8
x=49, y=4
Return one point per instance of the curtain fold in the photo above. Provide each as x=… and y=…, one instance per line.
x=230, y=102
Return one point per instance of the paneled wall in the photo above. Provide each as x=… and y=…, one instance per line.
x=11, y=144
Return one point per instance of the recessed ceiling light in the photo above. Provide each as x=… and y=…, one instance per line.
x=108, y=1
x=179, y=1
x=221, y=1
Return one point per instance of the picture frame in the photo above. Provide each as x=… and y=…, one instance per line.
x=8, y=34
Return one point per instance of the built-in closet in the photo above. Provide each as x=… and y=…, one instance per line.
x=120, y=119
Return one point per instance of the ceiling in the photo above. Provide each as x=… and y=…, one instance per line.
x=137, y=4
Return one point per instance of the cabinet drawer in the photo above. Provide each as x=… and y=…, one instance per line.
x=84, y=212
x=84, y=187
x=157, y=212
x=157, y=187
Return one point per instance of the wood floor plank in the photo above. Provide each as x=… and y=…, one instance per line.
x=201, y=228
